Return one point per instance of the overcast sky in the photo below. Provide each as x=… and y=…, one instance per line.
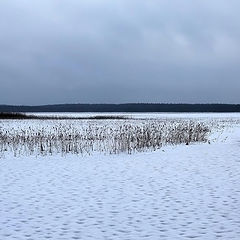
x=118, y=51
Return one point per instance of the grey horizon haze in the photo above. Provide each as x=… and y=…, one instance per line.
x=89, y=51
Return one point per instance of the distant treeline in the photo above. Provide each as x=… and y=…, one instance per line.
x=131, y=107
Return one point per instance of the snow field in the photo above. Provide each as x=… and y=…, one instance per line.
x=178, y=192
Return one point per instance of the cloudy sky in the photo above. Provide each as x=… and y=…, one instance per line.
x=118, y=51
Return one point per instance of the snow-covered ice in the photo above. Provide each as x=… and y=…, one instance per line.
x=181, y=192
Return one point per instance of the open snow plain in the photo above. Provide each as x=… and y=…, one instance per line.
x=176, y=192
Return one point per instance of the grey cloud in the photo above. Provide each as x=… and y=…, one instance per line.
x=119, y=51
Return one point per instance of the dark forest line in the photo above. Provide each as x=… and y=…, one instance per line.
x=131, y=107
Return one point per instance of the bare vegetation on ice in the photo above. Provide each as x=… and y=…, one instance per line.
x=33, y=137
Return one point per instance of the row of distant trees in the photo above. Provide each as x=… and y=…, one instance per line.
x=131, y=107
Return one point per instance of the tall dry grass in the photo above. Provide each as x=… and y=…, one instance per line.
x=113, y=138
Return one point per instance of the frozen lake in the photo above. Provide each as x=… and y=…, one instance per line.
x=146, y=115
x=181, y=192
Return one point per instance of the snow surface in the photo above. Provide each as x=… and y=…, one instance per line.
x=181, y=192
x=156, y=115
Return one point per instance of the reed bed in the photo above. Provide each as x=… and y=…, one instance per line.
x=27, y=137
x=21, y=116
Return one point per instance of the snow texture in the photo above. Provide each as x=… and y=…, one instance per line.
x=181, y=192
